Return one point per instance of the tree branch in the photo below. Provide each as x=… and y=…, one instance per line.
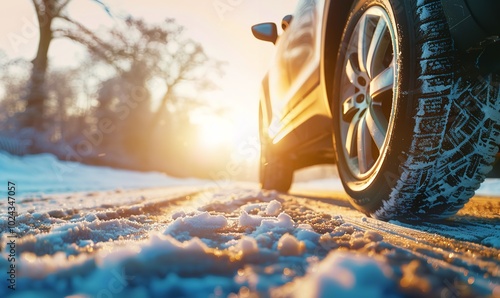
x=106, y=7
x=38, y=8
x=58, y=10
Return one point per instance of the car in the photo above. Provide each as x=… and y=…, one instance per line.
x=402, y=95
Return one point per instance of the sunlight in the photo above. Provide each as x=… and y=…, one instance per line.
x=215, y=132
x=211, y=120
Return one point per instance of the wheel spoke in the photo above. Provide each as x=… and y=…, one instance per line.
x=377, y=125
x=365, y=159
x=378, y=44
x=352, y=137
x=351, y=73
x=350, y=107
x=382, y=82
x=362, y=43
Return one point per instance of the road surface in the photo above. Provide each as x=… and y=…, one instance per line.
x=240, y=241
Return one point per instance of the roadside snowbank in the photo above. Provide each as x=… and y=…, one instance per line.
x=45, y=174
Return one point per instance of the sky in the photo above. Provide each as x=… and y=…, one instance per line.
x=221, y=26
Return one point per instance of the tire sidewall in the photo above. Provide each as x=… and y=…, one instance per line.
x=371, y=191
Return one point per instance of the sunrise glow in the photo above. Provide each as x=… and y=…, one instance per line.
x=215, y=132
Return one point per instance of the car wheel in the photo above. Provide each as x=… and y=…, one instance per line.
x=276, y=172
x=412, y=140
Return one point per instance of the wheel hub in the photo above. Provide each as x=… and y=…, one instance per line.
x=366, y=91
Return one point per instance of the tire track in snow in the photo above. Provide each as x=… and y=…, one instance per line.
x=476, y=263
x=240, y=221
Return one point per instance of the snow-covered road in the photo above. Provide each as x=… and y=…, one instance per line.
x=118, y=237
x=242, y=242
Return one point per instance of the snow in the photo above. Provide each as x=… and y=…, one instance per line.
x=199, y=223
x=219, y=243
x=247, y=246
x=268, y=209
x=246, y=220
x=346, y=275
x=201, y=253
x=333, y=184
x=282, y=222
x=288, y=245
x=44, y=174
x=273, y=208
x=490, y=187
x=85, y=254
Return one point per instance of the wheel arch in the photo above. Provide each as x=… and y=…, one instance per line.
x=335, y=18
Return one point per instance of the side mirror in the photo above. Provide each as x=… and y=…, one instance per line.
x=286, y=21
x=266, y=32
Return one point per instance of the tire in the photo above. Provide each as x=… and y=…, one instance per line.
x=414, y=138
x=276, y=172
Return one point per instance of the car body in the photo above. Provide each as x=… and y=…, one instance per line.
x=298, y=97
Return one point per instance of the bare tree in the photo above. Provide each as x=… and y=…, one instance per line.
x=13, y=79
x=47, y=11
x=141, y=51
x=61, y=99
x=185, y=65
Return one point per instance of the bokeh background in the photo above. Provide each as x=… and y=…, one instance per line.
x=168, y=86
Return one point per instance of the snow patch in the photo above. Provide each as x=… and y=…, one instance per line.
x=200, y=223
x=45, y=174
x=273, y=208
x=247, y=220
x=288, y=245
x=344, y=274
x=247, y=246
x=283, y=221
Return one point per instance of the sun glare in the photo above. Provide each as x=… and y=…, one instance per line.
x=215, y=132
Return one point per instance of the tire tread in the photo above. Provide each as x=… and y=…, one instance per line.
x=456, y=129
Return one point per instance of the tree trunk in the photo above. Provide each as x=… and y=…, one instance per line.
x=35, y=100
